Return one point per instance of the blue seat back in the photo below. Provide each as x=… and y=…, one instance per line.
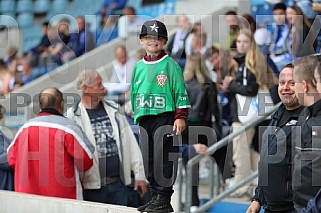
x=7, y=6
x=24, y=6
x=59, y=5
x=41, y=6
x=25, y=19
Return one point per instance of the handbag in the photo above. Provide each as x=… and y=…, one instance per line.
x=250, y=108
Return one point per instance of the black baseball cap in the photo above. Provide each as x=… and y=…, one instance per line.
x=154, y=28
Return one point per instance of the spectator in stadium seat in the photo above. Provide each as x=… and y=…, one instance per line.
x=109, y=6
x=202, y=93
x=6, y=172
x=25, y=70
x=14, y=71
x=301, y=39
x=5, y=78
x=279, y=29
x=63, y=30
x=50, y=58
x=197, y=28
x=129, y=23
x=176, y=46
x=123, y=66
x=49, y=151
x=80, y=42
x=223, y=65
x=10, y=58
x=262, y=38
x=233, y=22
x=253, y=74
x=44, y=43
x=107, y=31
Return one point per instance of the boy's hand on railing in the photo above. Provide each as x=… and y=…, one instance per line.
x=200, y=148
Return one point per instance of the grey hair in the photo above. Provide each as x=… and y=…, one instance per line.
x=85, y=77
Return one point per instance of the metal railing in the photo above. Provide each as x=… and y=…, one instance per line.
x=212, y=149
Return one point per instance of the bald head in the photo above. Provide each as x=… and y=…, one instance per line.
x=51, y=98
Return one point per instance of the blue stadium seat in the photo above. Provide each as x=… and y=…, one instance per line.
x=257, y=2
x=25, y=19
x=76, y=2
x=8, y=21
x=134, y=3
x=24, y=6
x=7, y=6
x=33, y=31
x=41, y=6
x=170, y=8
x=59, y=5
x=31, y=37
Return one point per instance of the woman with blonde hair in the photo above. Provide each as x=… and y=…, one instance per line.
x=253, y=75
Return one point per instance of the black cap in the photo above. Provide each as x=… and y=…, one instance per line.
x=155, y=28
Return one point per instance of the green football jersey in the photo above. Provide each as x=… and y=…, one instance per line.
x=157, y=87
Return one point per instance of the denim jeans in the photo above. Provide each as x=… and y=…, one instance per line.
x=115, y=193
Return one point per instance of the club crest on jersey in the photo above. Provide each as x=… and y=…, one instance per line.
x=161, y=80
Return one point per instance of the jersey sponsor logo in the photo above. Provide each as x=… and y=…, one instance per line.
x=291, y=123
x=150, y=101
x=161, y=80
x=138, y=82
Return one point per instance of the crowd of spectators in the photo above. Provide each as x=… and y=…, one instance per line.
x=247, y=64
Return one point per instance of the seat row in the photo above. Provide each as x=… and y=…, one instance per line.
x=36, y=7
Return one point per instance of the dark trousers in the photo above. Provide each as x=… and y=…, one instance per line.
x=114, y=193
x=160, y=154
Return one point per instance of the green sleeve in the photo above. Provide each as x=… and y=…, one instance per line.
x=179, y=89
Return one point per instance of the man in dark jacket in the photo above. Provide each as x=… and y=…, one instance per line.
x=80, y=42
x=274, y=190
x=307, y=156
x=314, y=204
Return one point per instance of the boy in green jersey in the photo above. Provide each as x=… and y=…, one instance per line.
x=159, y=100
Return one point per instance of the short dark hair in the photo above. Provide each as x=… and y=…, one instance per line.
x=290, y=65
x=65, y=20
x=2, y=63
x=231, y=12
x=279, y=6
x=45, y=24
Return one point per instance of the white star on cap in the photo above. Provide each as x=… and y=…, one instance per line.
x=154, y=27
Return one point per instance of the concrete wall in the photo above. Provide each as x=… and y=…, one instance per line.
x=13, y=202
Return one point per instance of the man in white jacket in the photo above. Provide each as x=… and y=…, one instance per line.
x=118, y=154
